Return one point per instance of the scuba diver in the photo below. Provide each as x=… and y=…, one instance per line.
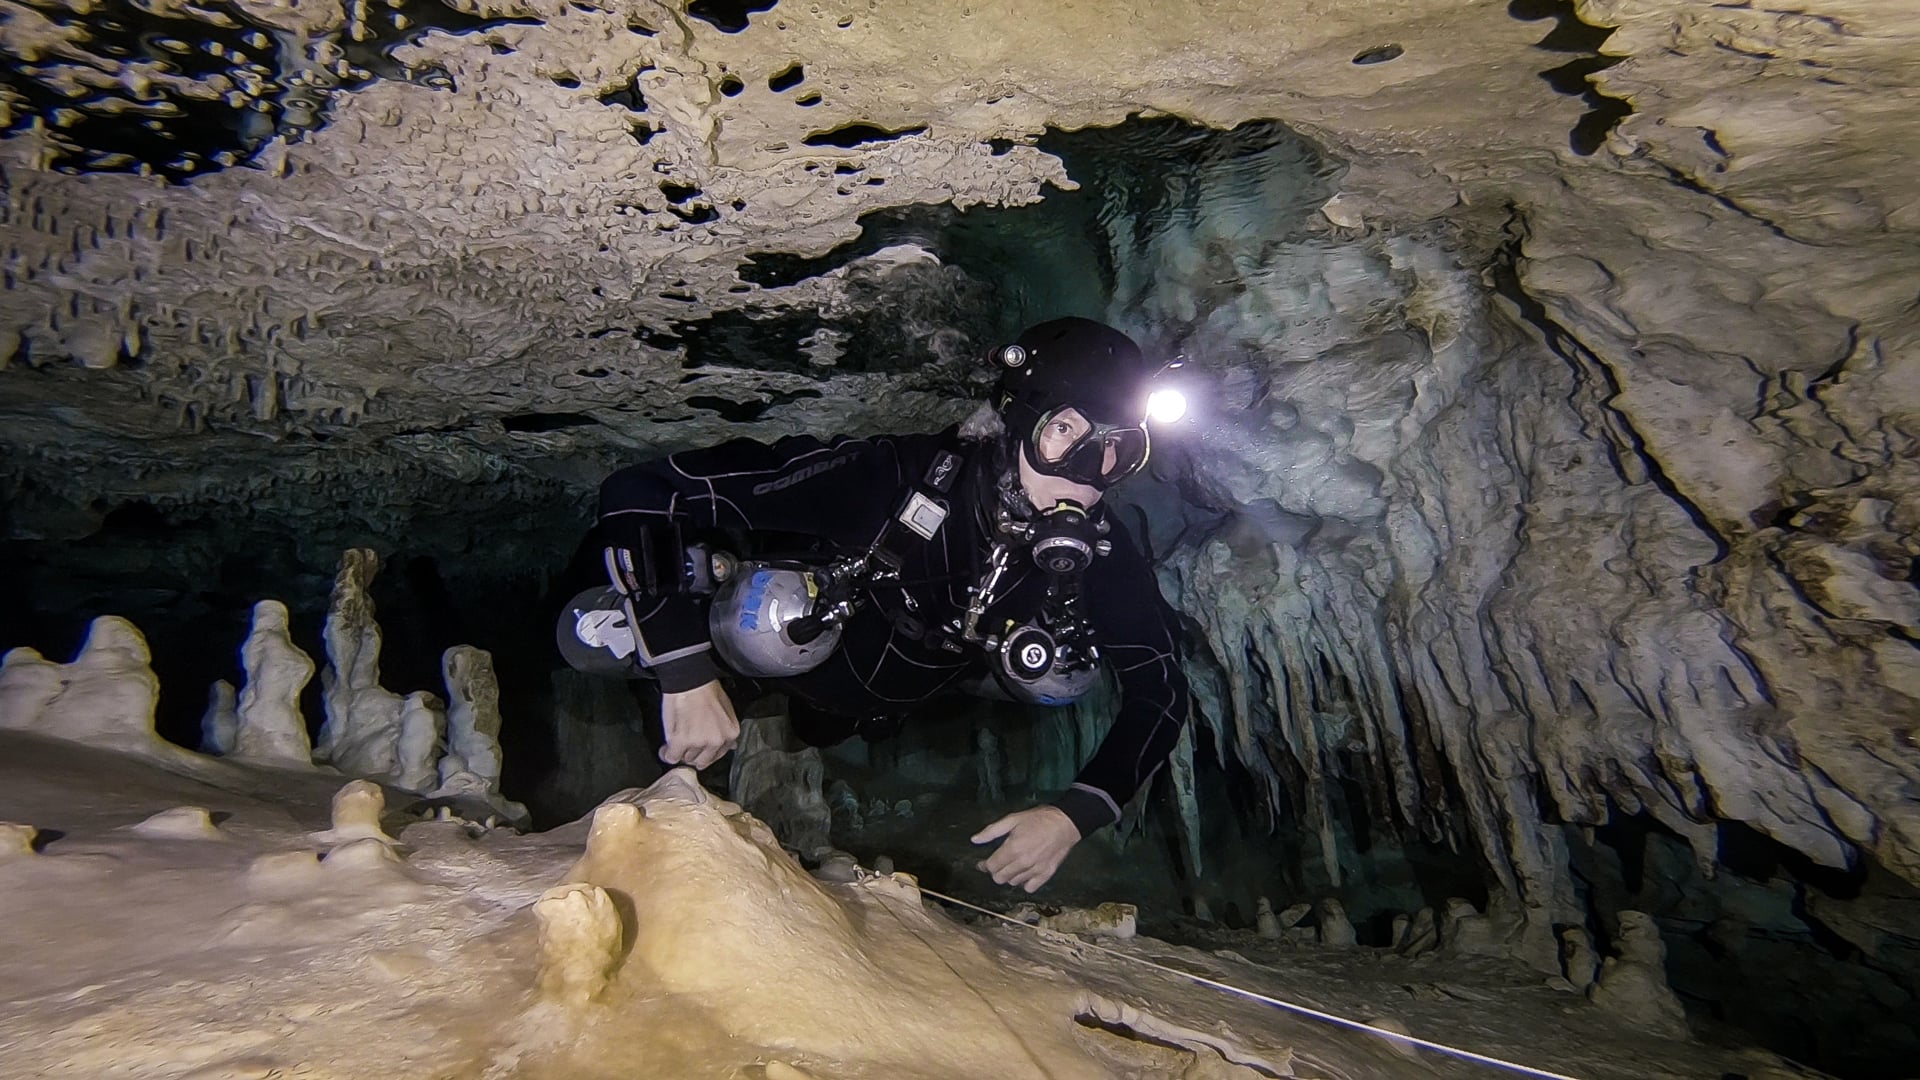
x=862, y=577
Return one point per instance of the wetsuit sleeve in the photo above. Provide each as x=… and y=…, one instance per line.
x=798, y=485
x=1135, y=630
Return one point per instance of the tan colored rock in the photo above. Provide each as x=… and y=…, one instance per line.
x=724, y=919
x=356, y=809
x=105, y=697
x=580, y=941
x=1107, y=920
x=16, y=840
x=180, y=823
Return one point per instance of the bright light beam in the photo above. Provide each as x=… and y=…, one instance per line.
x=1166, y=406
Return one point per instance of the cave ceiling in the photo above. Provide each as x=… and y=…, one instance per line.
x=503, y=240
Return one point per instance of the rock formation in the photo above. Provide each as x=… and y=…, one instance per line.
x=1556, y=470
x=1110, y=920
x=779, y=781
x=472, y=761
x=1264, y=921
x=220, y=724
x=1633, y=981
x=580, y=940
x=703, y=878
x=363, y=724
x=105, y=697
x=355, y=812
x=418, y=742
x=1334, y=927
x=180, y=823
x=270, y=728
x=16, y=840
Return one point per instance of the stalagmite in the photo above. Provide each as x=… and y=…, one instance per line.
x=1423, y=934
x=1335, y=929
x=180, y=823
x=270, y=727
x=473, y=722
x=106, y=697
x=356, y=814
x=779, y=781
x=416, y=750
x=16, y=840
x=843, y=807
x=837, y=866
x=992, y=767
x=28, y=682
x=363, y=718
x=1465, y=931
x=1577, y=960
x=1633, y=981
x=1265, y=923
x=726, y=920
x=220, y=724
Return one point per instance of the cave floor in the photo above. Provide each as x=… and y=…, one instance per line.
x=178, y=949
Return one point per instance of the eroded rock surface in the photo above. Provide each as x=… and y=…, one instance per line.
x=1557, y=364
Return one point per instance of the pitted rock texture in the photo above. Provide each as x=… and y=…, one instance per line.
x=1562, y=393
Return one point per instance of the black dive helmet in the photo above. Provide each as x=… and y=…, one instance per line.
x=1089, y=367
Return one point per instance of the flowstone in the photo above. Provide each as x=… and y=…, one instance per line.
x=725, y=918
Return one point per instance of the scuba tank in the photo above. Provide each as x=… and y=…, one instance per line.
x=764, y=621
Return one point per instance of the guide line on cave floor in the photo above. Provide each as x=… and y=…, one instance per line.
x=1303, y=1010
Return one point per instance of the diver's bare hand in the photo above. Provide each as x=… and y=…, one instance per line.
x=700, y=726
x=1037, y=840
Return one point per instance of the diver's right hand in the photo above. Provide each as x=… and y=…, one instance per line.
x=700, y=725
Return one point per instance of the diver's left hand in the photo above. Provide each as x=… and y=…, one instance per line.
x=1037, y=840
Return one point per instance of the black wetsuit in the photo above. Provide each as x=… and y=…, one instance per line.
x=841, y=494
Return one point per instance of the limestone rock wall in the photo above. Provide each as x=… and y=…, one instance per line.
x=1560, y=465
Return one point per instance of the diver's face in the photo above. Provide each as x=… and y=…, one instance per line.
x=1061, y=432
x=1045, y=491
